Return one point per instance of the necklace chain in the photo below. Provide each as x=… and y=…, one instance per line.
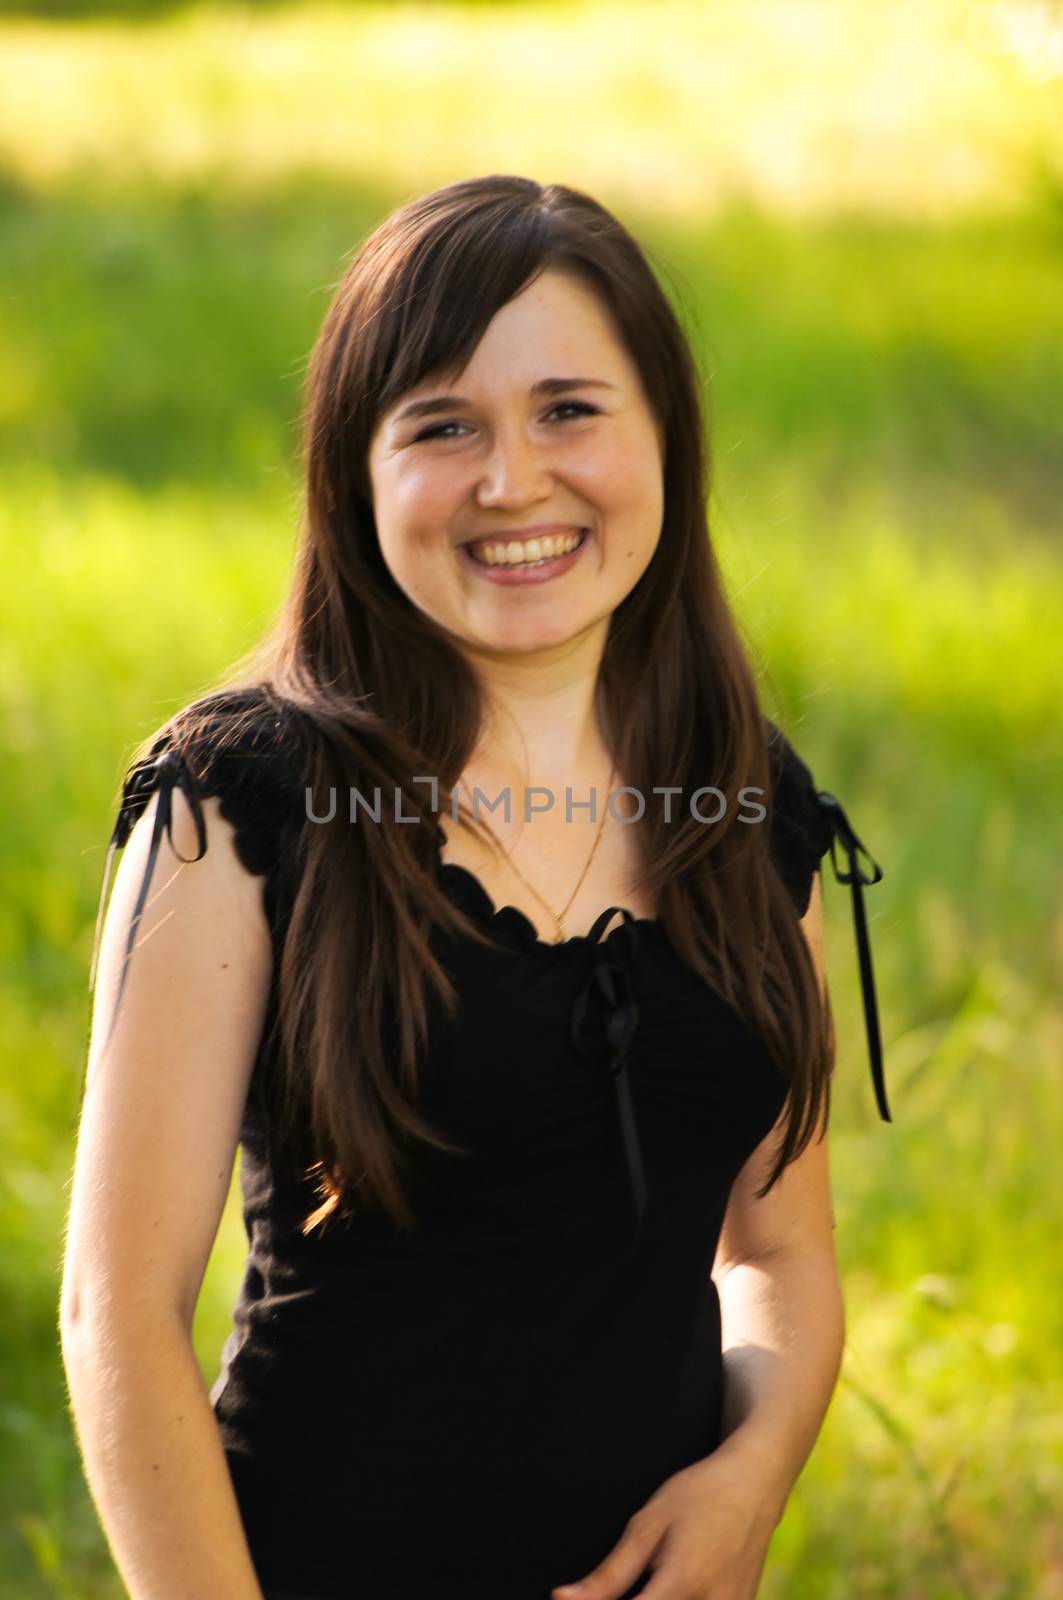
x=558, y=916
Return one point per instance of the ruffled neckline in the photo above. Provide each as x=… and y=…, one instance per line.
x=511, y=926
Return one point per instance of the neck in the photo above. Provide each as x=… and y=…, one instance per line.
x=541, y=724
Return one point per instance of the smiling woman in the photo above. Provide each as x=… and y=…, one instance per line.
x=533, y=1115
x=447, y=503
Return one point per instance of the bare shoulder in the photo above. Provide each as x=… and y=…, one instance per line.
x=164, y=1099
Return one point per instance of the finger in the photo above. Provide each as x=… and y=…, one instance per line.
x=670, y=1582
x=626, y=1562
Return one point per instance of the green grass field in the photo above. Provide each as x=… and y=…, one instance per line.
x=886, y=404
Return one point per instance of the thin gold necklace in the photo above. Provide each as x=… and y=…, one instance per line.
x=558, y=916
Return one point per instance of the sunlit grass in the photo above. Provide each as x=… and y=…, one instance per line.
x=912, y=109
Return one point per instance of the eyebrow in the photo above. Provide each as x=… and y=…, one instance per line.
x=545, y=387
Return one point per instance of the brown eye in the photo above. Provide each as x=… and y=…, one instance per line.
x=435, y=432
x=580, y=407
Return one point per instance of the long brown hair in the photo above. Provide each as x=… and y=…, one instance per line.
x=381, y=695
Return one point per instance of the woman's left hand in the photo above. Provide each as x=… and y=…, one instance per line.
x=705, y=1534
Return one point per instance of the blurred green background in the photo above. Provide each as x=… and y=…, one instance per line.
x=859, y=212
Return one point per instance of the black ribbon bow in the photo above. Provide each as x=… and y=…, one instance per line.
x=612, y=980
x=166, y=772
x=841, y=832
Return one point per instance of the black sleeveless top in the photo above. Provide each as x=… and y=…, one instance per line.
x=477, y=1406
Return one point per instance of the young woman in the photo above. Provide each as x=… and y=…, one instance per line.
x=532, y=1101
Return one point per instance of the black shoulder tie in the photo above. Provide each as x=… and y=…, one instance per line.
x=841, y=831
x=612, y=978
x=165, y=773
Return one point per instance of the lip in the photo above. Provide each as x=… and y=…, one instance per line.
x=507, y=577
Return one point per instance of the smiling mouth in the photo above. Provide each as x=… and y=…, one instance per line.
x=534, y=552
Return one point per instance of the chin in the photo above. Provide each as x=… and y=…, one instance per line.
x=525, y=642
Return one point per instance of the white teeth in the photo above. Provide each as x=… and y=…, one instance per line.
x=527, y=554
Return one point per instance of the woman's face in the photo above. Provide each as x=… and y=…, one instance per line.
x=500, y=461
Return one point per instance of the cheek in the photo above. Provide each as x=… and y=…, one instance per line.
x=413, y=516
x=629, y=475
x=632, y=502
x=415, y=499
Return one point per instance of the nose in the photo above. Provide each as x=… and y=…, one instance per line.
x=514, y=473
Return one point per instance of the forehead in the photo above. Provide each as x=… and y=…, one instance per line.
x=557, y=306
x=554, y=331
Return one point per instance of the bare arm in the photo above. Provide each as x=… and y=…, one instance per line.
x=784, y=1332
x=781, y=1300
x=159, y=1128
